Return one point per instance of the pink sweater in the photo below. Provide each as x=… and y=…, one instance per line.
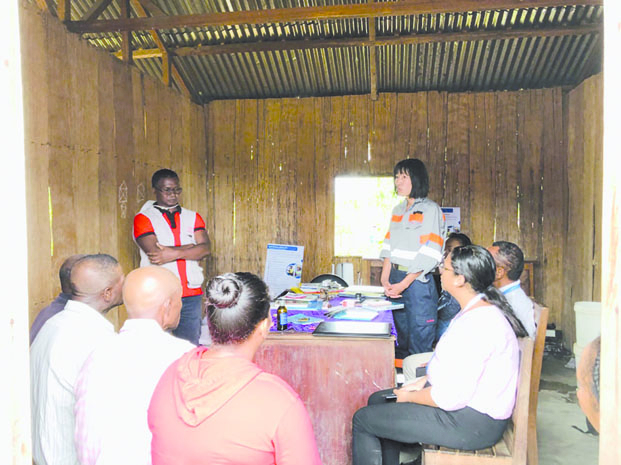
x=227, y=411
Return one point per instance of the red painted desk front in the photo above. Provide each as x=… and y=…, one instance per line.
x=334, y=377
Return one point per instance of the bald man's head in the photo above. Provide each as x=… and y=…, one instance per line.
x=97, y=280
x=64, y=273
x=155, y=293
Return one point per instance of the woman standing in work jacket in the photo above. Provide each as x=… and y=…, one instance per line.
x=412, y=249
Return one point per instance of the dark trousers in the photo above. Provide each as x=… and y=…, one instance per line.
x=380, y=428
x=416, y=322
x=189, y=327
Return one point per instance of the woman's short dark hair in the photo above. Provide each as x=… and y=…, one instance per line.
x=478, y=268
x=417, y=172
x=236, y=303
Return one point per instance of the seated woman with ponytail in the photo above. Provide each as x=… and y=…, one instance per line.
x=216, y=406
x=466, y=398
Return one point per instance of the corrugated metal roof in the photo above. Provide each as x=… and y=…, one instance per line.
x=534, y=58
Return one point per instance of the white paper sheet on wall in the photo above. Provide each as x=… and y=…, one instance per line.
x=452, y=216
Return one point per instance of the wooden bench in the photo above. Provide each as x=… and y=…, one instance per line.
x=512, y=448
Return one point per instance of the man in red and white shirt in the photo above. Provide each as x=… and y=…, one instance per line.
x=175, y=238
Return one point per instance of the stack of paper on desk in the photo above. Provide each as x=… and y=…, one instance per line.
x=365, y=290
x=299, y=301
x=381, y=304
x=356, y=313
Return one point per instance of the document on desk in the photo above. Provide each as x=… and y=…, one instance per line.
x=382, y=305
x=356, y=313
x=301, y=319
x=283, y=267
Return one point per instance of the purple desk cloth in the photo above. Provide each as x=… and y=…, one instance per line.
x=383, y=317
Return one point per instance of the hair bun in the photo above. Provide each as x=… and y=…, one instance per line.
x=224, y=291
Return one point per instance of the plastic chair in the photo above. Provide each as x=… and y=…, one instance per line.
x=332, y=277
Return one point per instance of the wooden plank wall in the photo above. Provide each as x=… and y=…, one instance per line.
x=501, y=157
x=96, y=130
x=583, y=256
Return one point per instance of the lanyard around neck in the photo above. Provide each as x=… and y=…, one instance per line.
x=467, y=308
x=472, y=302
x=514, y=287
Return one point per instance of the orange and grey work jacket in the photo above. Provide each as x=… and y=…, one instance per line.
x=415, y=237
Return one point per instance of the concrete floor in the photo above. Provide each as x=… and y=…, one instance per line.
x=557, y=412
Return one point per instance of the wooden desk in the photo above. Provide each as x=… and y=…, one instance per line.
x=334, y=377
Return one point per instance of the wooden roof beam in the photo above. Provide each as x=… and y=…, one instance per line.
x=169, y=68
x=151, y=7
x=141, y=53
x=271, y=46
x=64, y=10
x=372, y=59
x=96, y=10
x=45, y=5
x=286, y=15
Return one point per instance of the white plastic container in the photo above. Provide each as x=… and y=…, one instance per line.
x=588, y=325
x=346, y=271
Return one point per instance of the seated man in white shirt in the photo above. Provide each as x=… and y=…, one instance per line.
x=59, y=351
x=509, y=260
x=116, y=383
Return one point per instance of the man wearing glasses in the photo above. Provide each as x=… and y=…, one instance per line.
x=175, y=238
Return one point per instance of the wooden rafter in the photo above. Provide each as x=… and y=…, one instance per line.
x=169, y=69
x=64, y=10
x=270, y=46
x=142, y=53
x=285, y=15
x=96, y=9
x=42, y=4
x=151, y=7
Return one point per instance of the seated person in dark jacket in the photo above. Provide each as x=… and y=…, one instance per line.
x=448, y=307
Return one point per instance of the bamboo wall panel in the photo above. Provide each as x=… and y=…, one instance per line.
x=95, y=130
x=583, y=258
x=498, y=156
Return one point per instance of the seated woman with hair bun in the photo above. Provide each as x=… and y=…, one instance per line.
x=468, y=394
x=216, y=406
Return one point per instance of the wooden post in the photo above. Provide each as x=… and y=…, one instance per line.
x=15, y=445
x=166, y=68
x=372, y=59
x=610, y=368
x=126, y=45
